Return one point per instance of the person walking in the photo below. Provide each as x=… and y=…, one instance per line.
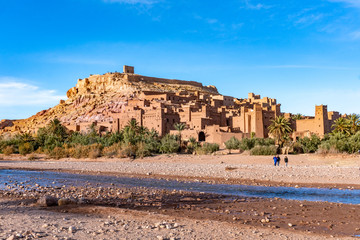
x=286, y=160
x=275, y=160
x=278, y=160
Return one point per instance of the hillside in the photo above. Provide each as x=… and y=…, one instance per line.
x=96, y=97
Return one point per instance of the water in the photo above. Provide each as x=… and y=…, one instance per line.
x=58, y=179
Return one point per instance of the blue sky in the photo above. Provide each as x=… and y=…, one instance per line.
x=301, y=52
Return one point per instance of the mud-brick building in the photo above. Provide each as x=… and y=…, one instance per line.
x=320, y=124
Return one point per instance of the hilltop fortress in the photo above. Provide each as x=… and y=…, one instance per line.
x=111, y=100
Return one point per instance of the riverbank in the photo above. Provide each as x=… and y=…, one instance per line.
x=133, y=213
x=200, y=217
x=307, y=170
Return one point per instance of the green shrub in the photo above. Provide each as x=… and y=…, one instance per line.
x=207, y=148
x=263, y=150
x=232, y=143
x=297, y=148
x=26, y=148
x=191, y=145
x=310, y=145
x=169, y=144
x=247, y=144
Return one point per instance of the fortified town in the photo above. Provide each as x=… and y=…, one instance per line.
x=111, y=100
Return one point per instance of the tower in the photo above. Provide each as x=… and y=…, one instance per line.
x=321, y=117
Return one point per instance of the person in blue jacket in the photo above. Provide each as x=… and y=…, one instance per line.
x=275, y=160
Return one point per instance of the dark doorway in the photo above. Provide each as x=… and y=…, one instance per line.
x=201, y=137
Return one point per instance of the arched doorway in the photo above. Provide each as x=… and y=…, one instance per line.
x=201, y=137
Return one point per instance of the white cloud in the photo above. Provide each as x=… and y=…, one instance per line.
x=257, y=6
x=16, y=92
x=350, y=3
x=144, y=2
x=309, y=19
x=355, y=35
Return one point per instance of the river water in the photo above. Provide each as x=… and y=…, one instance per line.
x=57, y=179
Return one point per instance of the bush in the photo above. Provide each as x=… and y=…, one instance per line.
x=232, y=143
x=247, y=144
x=32, y=157
x=169, y=144
x=127, y=150
x=191, y=145
x=112, y=151
x=326, y=148
x=263, y=150
x=26, y=148
x=207, y=148
x=297, y=148
x=58, y=153
x=310, y=145
x=8, y=150
x=93, y=151
x=142, y=150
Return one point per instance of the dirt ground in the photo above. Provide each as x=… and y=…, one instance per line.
x=192, y=217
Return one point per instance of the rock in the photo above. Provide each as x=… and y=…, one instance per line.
x=48, y=201
x=12, y=237
x=72, y=229
x=65, y=201
x=290, y=224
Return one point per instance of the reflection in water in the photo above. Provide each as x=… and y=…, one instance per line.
x=58, y=179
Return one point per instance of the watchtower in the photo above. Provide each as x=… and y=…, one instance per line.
x=321, y=116
x=128, y=69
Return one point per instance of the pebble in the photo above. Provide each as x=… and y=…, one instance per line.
x=72, y=229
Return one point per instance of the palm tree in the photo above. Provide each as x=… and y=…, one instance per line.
x=354, y=122
x=297, y=116
x=280, y=128
x=179, y=127
x=342, y=125
x=56, y=128
x=25, y=137
x=131, y=132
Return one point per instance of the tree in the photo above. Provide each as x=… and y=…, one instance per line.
x=179, y=127
x=280, y=128
x=55, y=127
x=297, y=116
x=131, y=132
x=342, y=125
x=354, y=123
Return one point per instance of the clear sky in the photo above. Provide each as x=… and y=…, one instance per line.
x=302, y=52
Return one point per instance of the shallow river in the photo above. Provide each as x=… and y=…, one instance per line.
x=58, y=179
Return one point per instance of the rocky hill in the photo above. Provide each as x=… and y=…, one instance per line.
x=96, y=97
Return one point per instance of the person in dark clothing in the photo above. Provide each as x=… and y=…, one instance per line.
x=278, y=160
x=286, y=160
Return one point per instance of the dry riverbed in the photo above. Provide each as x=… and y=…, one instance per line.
x=138, y=213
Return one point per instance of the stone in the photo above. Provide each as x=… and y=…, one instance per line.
x=65, y=201
x=72, y=229
x=48, y=201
